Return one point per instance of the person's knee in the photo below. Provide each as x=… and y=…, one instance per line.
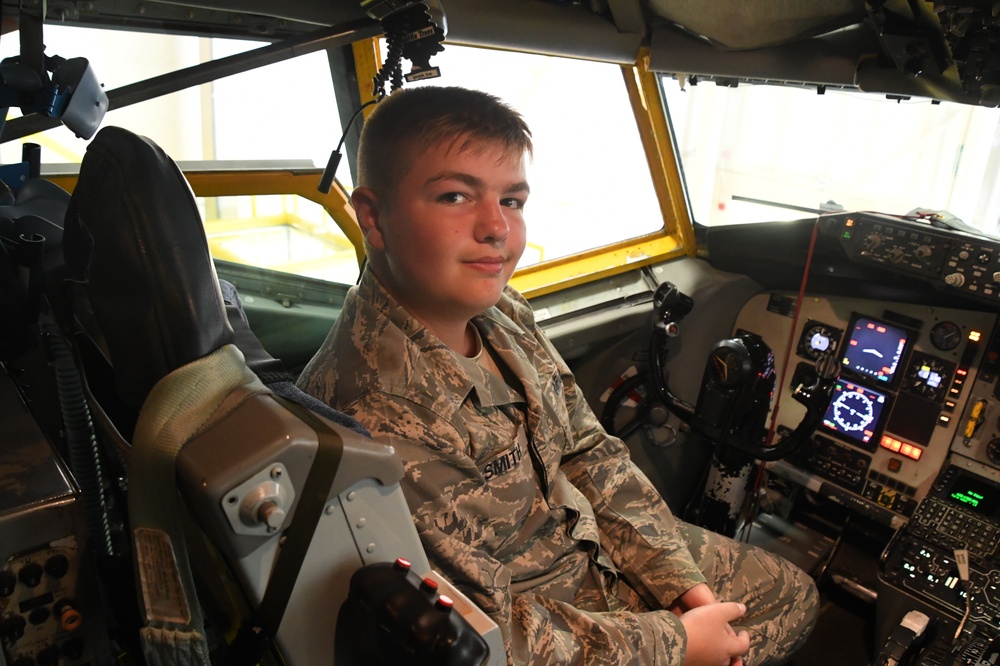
x=794, y=607
x=807, y=599
x=801, y=609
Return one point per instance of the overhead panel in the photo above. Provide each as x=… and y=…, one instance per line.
x=943, y=50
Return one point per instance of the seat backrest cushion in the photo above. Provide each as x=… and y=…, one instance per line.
x=133, y=234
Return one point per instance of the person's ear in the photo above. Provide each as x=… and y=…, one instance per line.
x=368, y=210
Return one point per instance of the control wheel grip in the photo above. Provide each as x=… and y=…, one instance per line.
x=400, y=617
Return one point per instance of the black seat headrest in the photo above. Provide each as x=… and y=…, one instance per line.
x=133, y=235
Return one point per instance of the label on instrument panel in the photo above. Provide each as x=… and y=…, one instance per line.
x=162, y=590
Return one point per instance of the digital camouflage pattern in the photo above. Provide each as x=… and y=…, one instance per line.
x=526, y=504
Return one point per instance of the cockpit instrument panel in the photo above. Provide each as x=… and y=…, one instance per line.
x=951, y=260
x=908, y=373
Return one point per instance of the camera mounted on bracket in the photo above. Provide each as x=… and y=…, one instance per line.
x=51, y=86
x=413, y=30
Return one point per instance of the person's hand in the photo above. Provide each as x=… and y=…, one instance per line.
x=711, y=640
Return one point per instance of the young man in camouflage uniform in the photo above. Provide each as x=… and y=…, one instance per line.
x=519, y=496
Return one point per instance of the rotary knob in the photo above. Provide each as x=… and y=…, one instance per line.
x=8, y=582
x=993, y=450
x=12, y=628
x=271, y=514
x=30, y=574
x=57, y=566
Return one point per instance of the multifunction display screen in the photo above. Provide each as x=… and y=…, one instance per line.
x=874, y=349
x=855, y=413
x=974, y=494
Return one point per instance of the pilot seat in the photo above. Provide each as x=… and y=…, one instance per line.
x=254, y=512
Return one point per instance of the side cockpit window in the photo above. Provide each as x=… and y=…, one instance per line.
x=260, y=127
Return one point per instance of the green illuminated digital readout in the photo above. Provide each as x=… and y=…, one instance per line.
x=975, y=494
x=970, y=497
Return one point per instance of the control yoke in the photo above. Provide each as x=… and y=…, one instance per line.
x=737, y=386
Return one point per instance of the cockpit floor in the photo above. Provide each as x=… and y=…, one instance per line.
x=844, y=634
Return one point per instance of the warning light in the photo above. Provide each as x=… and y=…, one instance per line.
x=974, y=336
x=902, y=448
x=891, y=444
x=850, y=222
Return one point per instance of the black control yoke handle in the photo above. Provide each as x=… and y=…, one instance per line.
x=670, y=305
x=735, y=395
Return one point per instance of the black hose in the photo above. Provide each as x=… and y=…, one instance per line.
x=81, y=442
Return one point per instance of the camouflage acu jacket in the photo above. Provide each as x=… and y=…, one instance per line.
x=519, y=496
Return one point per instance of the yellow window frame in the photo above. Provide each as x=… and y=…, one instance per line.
x=675, y=239
x=301, y=182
